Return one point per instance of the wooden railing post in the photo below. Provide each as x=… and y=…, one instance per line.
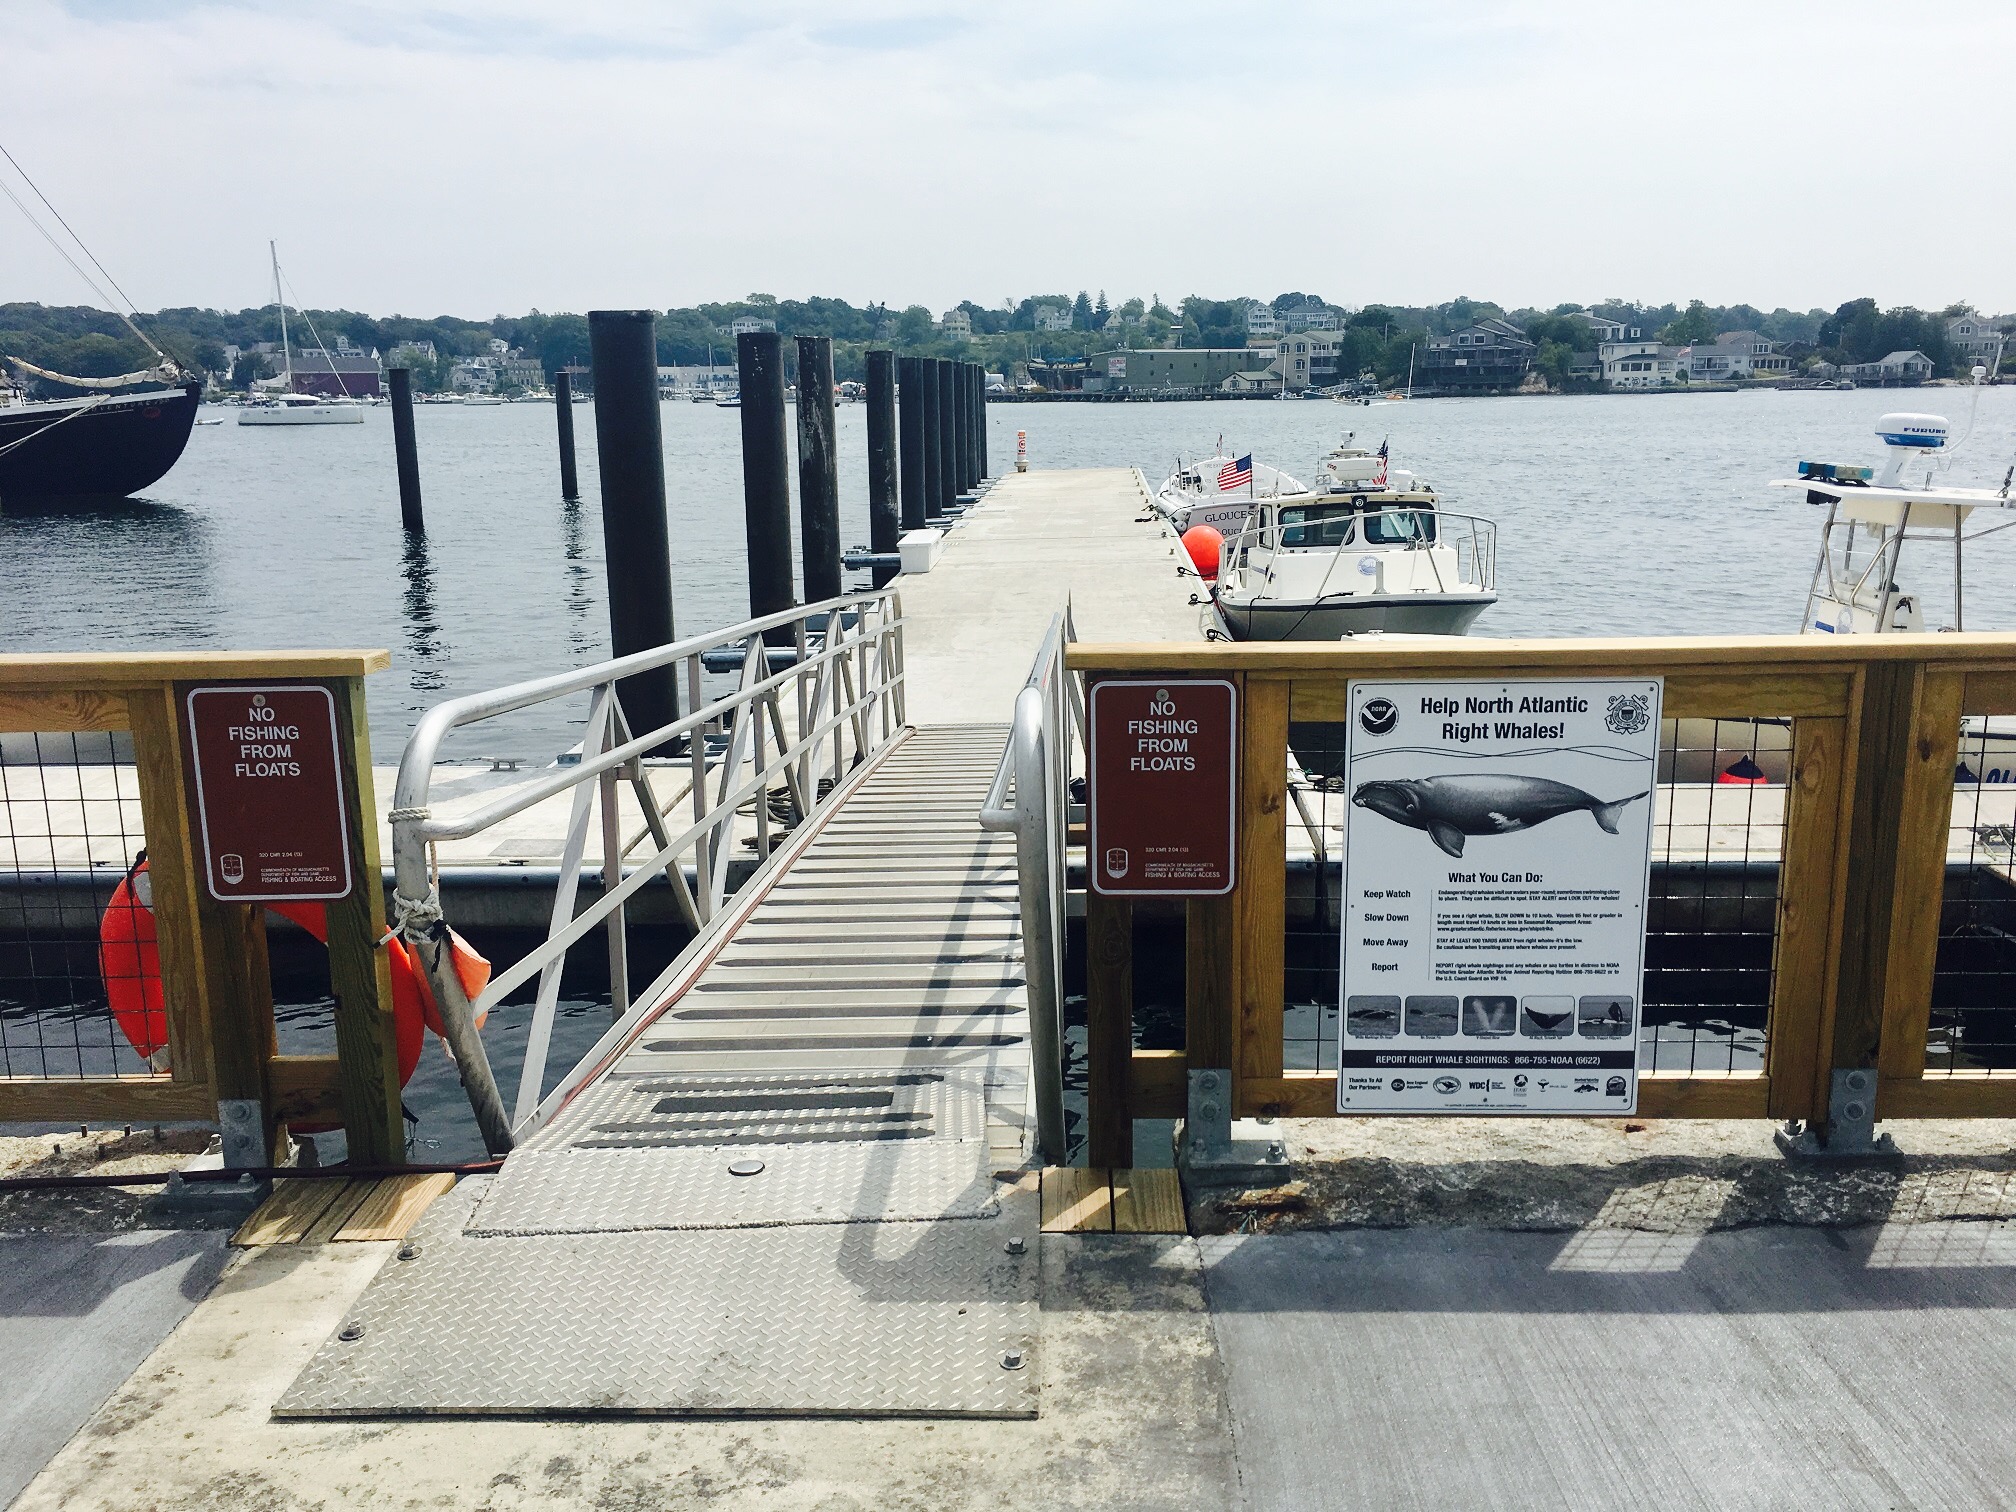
x=1260, y=899
x=360, y=974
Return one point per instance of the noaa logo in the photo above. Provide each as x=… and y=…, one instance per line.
x=1447, y=1084
x=1628, y=714
x=1379, y=716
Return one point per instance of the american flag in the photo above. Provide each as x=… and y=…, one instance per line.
x=1379, y=478
x=1235, y=474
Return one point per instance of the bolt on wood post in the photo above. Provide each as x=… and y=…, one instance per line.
x=405, y=452
x=818, y=472
x=630, y=452
x=766, y=477
x=910, y=423
x=935, y=497
x=563, y=409
x=885, y=527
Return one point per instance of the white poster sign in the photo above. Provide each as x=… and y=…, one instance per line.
x=1497, y=857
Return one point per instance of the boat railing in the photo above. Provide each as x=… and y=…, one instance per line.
x=1035, y=769
x=817, y=691
x=1473, y=538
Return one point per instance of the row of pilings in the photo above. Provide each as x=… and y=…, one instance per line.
x=926, y=455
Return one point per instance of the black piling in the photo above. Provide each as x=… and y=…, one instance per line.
x=935, y=497
x=948, y=435
x=910, y=421
x=563, y=407
x=766, y=477
x=885, y=525
x=970, y=410
x=961, y=423
x=405, y=452
x=980, y=421
x=818, y=472
x=630, y=452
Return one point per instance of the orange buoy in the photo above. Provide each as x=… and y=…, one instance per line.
x=129, y=959
x=1204, y=544
x=1742, y=772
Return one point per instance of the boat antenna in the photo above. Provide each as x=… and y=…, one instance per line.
x=123, y=307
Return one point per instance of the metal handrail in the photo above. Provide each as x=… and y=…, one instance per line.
x=847, y=684
x=1036, y=763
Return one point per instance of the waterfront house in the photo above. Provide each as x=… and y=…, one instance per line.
x=472, y=376
x=1173, y=370
x=1492, y=354
x=334, y=374
x=1971, y=339
x=956, y=322
x=1266, y=381
x=748, y=325
x=1306, y=361
x=1636, y=364
x=1605, y=329
x=1261, y=320
x=407, y=353
x=1897, y=370
x=1731, y=357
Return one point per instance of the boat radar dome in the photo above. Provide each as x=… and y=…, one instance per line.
x=1906, y=433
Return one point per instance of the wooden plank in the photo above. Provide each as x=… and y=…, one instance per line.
x=1077, y=1200
x=1924, y=812
x=1570, y=656
x=288, y=1215
x=393, y=1205
x=45, y=709
x=338, y=1212
x=1260, y=899
x=1158, y=1083
x=1754, y=692
x=306, y=1089
x=172, y=866
x=360, y=972
x=1209, y=957
x=96, y=669
x=1990, y=692
x=1964, y=1094
x=103, y=1099
x=1109, y=1013
x=1809, y=913
x=1315, y=1096
x=1148, y=1202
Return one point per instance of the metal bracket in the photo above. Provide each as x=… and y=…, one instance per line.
x=1851, y=1121
x=1207, y=1146
x=243, y=1127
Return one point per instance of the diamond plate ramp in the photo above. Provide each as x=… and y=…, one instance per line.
x=828, y=1319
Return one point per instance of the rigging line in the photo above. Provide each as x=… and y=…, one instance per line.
x=43, y=430
x=320, y=345
x=130, y=307
x=61, y=251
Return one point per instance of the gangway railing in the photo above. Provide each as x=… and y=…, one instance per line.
x=833, y=699
x=1036, y=765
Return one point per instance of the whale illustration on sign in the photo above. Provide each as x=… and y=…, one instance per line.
x=1453, y=808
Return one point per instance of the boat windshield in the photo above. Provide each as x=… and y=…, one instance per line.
x=1320, y=525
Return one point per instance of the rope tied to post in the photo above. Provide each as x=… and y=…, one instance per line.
x=415, y=919
x=409, y=815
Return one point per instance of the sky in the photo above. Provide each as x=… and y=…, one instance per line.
x=478, y=157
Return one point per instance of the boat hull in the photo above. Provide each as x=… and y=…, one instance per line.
x=106, y=452
x=1333, y=618
x=302, y=416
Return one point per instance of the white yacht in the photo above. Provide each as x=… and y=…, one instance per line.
x=287, y=407
x=1220, y=491
x=1370, y=550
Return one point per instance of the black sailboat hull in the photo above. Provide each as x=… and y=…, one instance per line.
x=115, y=448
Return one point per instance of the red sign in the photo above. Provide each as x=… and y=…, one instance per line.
x=269, y=793
x=1164, y=787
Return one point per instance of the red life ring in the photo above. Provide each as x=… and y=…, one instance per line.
x=130, y=963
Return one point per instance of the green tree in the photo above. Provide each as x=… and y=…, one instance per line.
x=1696, y=325
x=913, y=327
x=1081, y=313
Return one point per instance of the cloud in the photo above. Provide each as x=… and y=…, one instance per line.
x=451, y=155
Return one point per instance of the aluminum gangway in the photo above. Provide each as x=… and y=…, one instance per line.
x=795, y=1176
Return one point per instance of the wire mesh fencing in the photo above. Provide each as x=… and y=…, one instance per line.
x=1973, y=1022
x=80, y=983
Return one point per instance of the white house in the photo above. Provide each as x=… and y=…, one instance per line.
x=956, y=323
x=1050, y=317
x=1732, y=356
x=1899, y=369
x=748, y=325
x=1261, y=319
x=1607, y=329
x=1639, y=364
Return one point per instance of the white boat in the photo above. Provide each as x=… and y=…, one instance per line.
x=1220, y=491
x=729, y=401
x=1370, y=550
x=288, y=407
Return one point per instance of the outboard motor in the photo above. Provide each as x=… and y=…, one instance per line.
x=1904, y=434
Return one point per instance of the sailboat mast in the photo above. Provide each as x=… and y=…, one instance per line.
x=286, y=356
x=1410, y=370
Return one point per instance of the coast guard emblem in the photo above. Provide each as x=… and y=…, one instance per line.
x=1629, y=713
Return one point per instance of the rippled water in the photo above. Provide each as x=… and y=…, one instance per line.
x=1617, y=515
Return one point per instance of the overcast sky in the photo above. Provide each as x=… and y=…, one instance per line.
x=474, y=157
